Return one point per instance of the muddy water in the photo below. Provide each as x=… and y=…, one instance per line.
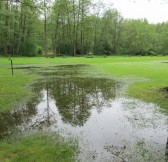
x=108, y=126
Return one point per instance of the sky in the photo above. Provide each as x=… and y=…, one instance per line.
x=153, y=10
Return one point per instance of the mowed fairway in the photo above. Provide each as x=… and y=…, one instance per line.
x=147, y=76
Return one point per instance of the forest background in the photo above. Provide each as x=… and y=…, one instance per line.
x=75, y=27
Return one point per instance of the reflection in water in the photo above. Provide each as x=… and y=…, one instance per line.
x=49, y=111
x=109, y=127
x=74, y=98
x=166, y=153
x=10, y=120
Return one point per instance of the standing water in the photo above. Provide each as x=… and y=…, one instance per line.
x=109, y=127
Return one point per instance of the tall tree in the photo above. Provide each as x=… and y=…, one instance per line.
x=45, y=29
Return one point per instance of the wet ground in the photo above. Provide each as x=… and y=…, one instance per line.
x=109, y=126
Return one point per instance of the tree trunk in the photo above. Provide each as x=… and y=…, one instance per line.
x=45, y=30
x=6, y=32
x=74, y=29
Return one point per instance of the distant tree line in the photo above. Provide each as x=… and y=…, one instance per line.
x=76, y=27
x=20, y=28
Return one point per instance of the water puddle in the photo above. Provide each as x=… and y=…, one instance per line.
x=108, y=126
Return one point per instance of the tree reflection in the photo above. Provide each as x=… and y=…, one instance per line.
x=166, y=153
x=10, y=120
x=75, y=97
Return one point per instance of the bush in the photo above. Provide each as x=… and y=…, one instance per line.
x=39, y=50
x=27, y=48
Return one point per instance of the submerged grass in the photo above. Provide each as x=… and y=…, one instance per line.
x=43, y=147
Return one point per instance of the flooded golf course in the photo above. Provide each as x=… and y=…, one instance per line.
x=109, y=126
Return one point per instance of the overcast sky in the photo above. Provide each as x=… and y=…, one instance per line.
x=154, y=10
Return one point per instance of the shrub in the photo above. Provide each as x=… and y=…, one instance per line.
x=39, y=50
x=27, y=48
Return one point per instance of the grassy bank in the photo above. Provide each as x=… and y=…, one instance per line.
x=147, y=74
x=38, y=147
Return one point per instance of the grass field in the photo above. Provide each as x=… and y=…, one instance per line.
x=148, y=75
x=145, y=77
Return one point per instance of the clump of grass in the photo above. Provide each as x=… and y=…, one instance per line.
x=39, y=147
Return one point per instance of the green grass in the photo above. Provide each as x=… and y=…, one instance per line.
x=13, y=89
x=148, y=79
x=39, y=147
x=147, y=74
x=95, y=60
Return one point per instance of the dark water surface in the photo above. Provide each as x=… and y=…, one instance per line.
x=108, y=126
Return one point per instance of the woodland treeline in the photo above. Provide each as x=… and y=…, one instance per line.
x=75, y=27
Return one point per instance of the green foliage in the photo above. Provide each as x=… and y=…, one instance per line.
x=18, y=28
x=39, y=50
x=27, y=48
x=71, y=29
